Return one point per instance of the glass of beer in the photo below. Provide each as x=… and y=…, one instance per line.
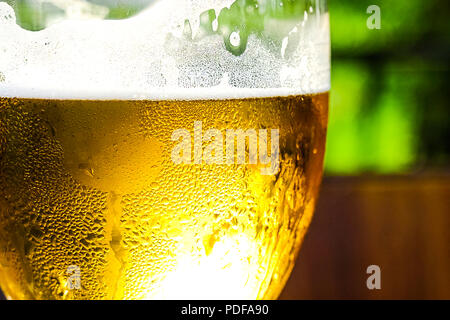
x=176, y=152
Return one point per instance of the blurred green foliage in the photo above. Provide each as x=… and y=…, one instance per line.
x=389, y=97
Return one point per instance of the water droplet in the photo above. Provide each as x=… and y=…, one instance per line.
x=235, y=39
x=284, y=46
x=215, y=24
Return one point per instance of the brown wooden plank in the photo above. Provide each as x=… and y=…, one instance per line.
x=401, y=224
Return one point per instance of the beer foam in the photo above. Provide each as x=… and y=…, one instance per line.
x=157, y=55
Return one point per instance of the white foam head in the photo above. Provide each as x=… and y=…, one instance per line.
x=149, y=57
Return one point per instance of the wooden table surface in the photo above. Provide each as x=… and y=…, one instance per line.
x=401, y=224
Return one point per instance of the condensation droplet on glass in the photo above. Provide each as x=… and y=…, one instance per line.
x=284, y=44
x=215, y=24
x=187, y=29
x=235, y=39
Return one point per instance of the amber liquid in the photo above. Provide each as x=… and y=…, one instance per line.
x=92, y=184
